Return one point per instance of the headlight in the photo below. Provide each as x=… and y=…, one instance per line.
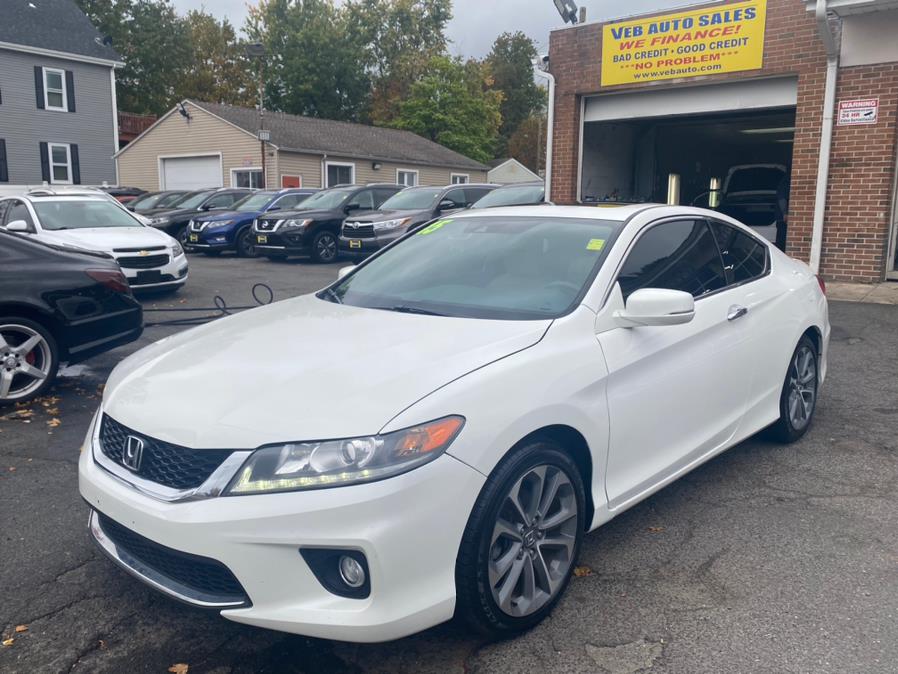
x=391, y=224
x=294, y=224
x=335, y=463
x=177, y=250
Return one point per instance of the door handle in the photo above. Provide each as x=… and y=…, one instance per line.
x=736, y=311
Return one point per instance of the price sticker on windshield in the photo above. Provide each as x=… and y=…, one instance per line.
x=595, y=244
x=434, y=226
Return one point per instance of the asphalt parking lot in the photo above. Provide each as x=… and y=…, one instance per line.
x=766, y=559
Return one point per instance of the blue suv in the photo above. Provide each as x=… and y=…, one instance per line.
x=232, y=229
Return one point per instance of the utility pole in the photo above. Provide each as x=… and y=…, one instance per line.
x=256, y=50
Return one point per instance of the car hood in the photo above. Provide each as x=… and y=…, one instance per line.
x=229, y=215
x=107, y=239
x=381, y=216
x=300, y=369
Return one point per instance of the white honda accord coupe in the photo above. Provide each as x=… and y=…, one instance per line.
x=435, y=433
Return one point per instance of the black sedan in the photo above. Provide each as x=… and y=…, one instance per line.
x=57, y=305
x=313, y=228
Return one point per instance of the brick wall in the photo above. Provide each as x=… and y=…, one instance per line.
x=863, y=166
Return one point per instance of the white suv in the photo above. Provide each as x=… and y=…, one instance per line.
x=149, y=258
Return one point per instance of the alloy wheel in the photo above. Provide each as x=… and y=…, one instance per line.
x=533, y=540
x=326, y=248
x=802, y=387
x=25, y=361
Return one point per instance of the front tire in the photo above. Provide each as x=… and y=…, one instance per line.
x=798, y=399
x=29, y=359
x=522, y=539
x=324, y=247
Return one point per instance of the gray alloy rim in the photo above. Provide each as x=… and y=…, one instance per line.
x=327, y=247
x=802, y=387
x=532, y=545
x=25, y=361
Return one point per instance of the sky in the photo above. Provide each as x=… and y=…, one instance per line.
x=476, y=23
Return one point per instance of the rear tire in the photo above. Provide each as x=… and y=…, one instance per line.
x=25, y=374
x=510, y=574
x=798, y=399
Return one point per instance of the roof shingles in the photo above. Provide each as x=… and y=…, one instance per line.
x=56, y=25
x=343, y=139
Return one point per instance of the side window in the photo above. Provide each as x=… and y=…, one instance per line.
x=744, y=257
x=457, y=197
x=220, y=200
x=382, y=194
x=679, y=255
x=364, y=200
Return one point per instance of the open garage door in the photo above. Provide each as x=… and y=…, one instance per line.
x=728, y=146
x=190, y=173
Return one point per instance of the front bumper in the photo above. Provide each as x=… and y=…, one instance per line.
x=170, y=275
x=409, y=527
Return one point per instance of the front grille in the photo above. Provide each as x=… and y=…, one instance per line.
x=161, y=462
x=143, y=261
x=207, y=575
x=266, y=225
x=359, y=232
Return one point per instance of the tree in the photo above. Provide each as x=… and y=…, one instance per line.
x=315, y=65
x=219, y=70
x=527, y=143
x=452, y=104
x=155, y=45
x=510, y=62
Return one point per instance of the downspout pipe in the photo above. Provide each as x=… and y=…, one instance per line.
x=550, y=128
x=826, y=131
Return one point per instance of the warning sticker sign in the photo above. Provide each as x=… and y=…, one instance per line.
x=858, y=111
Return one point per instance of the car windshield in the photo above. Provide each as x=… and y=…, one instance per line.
x=519, y=195
x=326, y=199
x=254, y=202
x=512, y=268
x=192, y=200
x=424, y=197
x=82, y=214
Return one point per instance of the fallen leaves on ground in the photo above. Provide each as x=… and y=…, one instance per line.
x=581, y=571
x=179, y=668
x=21, y=628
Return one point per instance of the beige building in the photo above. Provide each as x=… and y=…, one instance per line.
x=197, y=145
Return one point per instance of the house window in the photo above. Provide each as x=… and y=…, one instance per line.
x=60, y=156
x=249, y=177
x=459, y=178
x=406, y=177
x=55, y=95
x=339, y=173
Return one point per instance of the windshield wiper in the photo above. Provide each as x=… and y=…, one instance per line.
x=410, y=310
x=331, y=293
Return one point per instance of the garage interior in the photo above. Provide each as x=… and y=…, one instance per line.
x=632, y=158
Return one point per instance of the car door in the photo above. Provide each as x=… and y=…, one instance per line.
x=674, y=393
x=747, y=263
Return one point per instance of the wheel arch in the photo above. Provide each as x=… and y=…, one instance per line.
x=575, y=445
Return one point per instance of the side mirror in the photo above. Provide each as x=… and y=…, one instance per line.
x=447, y=205
x=17, y=226
x=343, y=271
x=656, y=306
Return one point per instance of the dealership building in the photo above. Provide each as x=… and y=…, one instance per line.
x=770, y=101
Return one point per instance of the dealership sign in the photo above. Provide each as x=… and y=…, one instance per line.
x=858, y=111
x=725, y=39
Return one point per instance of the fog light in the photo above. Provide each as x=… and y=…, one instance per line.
x=351, y=572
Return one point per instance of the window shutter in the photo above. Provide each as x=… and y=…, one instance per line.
x=39, y=86
x=70, y=89
x=45, y=163
x=4, y=169
x=76, y=165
